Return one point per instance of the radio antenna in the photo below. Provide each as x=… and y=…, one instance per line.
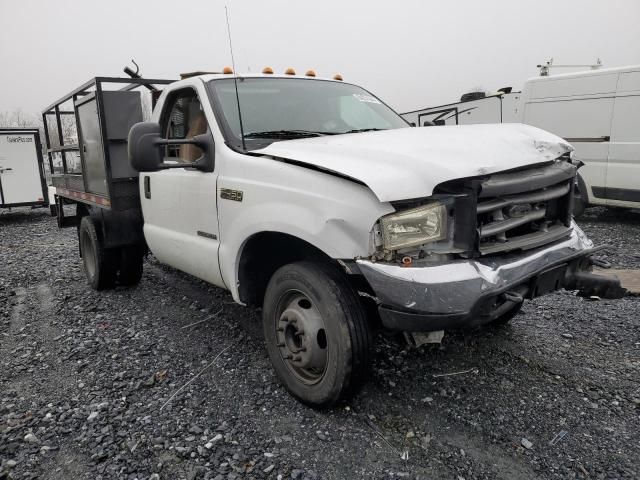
x=235, y=80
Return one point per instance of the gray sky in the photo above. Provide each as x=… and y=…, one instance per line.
x=411, y=53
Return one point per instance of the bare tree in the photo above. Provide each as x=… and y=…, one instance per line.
x=18, y=118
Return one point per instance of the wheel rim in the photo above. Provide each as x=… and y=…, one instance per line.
x=88, y=255
x=301, y=337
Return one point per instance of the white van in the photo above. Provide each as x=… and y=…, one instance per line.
x=22, y=181
x=598, y=111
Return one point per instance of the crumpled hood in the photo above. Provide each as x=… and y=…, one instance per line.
x=410, y=162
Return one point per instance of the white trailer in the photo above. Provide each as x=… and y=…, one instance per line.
x=498, y=107
x=598, y=111
x=22, y=180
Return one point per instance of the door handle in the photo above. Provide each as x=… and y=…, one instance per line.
x=147, y=186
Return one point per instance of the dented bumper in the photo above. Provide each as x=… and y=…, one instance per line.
x=428, y=297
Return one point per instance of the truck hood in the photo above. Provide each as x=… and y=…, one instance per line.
x=409, y=163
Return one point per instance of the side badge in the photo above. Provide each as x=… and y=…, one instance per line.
x=229, y=194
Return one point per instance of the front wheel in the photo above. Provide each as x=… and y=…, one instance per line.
x=316, y=332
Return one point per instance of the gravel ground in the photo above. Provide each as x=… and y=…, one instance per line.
x=91, y=384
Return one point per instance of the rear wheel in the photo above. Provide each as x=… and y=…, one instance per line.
x=130, y=271
x=316, y=333
x=100, y=264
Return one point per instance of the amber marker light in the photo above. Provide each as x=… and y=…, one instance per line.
x=337, y=76
x=289, y=71
x=310, y=73
x=267, y=70
x=227, y=70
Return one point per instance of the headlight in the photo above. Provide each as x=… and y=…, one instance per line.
x=414, y=227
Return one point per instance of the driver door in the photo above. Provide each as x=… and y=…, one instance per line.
x=179, y=204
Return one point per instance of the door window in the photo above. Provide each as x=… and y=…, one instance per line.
x=184, y=119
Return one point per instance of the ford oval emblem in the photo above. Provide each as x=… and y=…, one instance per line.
x=519, y=210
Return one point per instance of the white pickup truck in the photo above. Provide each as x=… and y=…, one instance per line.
x=313, y=199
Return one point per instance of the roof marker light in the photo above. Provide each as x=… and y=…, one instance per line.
x=290, y=71
x=310, y=73
x=267, y=70
x=337, y=76
x=227, y=70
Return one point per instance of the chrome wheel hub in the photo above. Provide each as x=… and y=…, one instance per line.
x=301, y=337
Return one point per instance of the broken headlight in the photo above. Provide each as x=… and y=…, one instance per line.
x=416, y=226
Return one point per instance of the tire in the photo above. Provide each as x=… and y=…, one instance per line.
x=579, y=199
x=100, y=264
x=130, y=269
x=316, y=332
x=505, y=318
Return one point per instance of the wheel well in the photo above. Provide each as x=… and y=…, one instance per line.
x=263, y=254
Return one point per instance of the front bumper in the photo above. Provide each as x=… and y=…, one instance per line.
x=470, y=292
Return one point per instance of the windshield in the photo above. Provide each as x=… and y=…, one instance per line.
x=275, y=109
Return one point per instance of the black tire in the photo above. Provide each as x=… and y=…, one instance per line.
x=579, y=198
x=130, y=271
x=100, y=264
x=505, y=318
x=340, y=349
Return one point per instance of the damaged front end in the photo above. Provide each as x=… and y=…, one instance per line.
x=478, y=247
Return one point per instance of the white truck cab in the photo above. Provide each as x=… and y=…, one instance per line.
x=314, y=200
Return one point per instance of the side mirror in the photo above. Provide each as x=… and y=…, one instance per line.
x=146, y=153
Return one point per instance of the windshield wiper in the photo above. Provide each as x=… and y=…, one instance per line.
x=286, y=134
x=360, y=130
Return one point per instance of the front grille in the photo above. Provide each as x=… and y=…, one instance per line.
x=524, y=209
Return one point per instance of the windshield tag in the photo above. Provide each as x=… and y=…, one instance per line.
x=366, y=98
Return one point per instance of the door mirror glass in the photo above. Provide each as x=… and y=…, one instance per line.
x=147, y=149
x=145, y=153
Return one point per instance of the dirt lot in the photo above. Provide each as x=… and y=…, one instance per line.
x=90, y=383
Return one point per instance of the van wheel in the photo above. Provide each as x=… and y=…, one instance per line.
x=316, y=333
x=579, y=199
x=100, y=264
x=579, y=205
x=131, y=259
